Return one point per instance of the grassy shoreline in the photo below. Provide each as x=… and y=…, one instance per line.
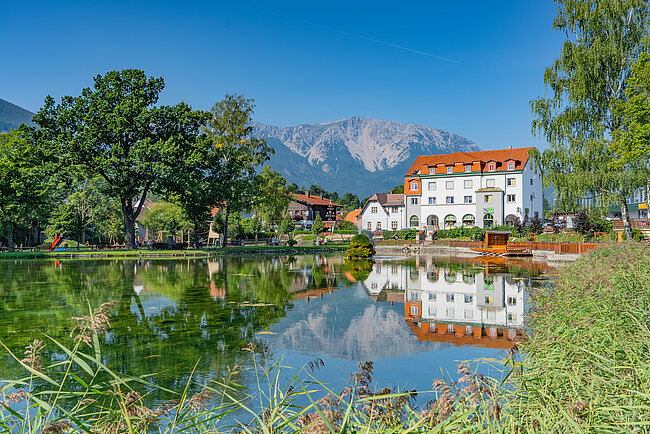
x=189, y=253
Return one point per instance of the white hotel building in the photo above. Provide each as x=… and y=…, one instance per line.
x=485, y=189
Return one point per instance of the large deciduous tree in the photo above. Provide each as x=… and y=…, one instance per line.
x=239, y=154
x=115, y=130
x=586, y=84
x=24, y=183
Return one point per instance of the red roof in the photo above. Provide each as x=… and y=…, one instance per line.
x=520, y=155
x=353, y=215
x=314, y=200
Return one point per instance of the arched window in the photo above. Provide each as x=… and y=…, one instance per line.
x=432, y=221
x=512, y=220
x=450, y=221
x=468, y=220
x=488, y=220
x=414, y=222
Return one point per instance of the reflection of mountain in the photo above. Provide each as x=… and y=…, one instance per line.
x=347, y=325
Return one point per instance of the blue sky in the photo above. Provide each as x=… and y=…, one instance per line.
x=302, y=62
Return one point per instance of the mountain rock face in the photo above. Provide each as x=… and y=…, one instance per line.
x=11, y=116
x=359, y=155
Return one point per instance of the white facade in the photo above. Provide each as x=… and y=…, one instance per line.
x=383, y=212
x=472, y=192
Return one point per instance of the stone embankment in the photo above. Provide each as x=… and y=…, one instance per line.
x=441, y=250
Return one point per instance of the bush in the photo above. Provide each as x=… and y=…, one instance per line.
x=360, y=248
x=291, y=242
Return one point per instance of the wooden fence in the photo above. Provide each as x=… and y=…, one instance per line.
x=560, y=248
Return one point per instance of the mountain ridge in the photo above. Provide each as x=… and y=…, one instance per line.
x=11, y=116
x=355, y=154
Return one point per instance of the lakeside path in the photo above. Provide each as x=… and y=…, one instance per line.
x=439, y=250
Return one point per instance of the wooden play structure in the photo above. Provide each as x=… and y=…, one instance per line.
x=496, y=244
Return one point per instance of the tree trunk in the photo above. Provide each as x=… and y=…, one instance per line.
x=10, y=235
x=129, y=223
x=196, y=232
x=224, y=242
x=625, y=216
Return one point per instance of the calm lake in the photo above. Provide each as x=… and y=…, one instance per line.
x=416, y=318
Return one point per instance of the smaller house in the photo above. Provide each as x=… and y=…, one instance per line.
x=354, y=217
x=304, y=208
x=383, y=212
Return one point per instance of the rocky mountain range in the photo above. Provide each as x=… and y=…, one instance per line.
x=357, y=154
x=11, y=116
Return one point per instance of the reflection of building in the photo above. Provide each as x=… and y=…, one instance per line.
x=455, y=303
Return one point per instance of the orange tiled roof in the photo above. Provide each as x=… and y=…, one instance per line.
x=314, y=200
x=520, y=155
x=353, y=215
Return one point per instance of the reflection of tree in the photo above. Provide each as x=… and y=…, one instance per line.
x=360, y=269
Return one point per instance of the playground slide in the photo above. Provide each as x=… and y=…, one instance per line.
x=56, y=241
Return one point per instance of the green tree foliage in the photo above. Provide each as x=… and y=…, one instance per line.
x=165, y=216
x=229, y=131
x=349, y=201
x=360, y=248
x=398, y=189
x=24, y=187
x=272, y=196
x=586, y=86
x=318, y=226
x=286, y=226
x=115, y=130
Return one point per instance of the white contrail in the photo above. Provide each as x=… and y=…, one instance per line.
x=370, y=39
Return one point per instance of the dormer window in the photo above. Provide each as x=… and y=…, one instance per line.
x=468, y=168
x=511, y=166
x=449, y=169
x=492, y=167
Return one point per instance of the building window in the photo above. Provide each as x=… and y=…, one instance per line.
x=432, y=221
x=373, y=210
x=414, y=185
x=510, y=182
x=469, y=314
x=489, y=198
x=449, y=185
x=449, y=169
x=468, y=168
x=469, y=183
x=414, y=310
x=450, y=199
x=468, y=220
x=468, y=199
x=531, y=181
x=414, y=222
x=469, y=298
x=414, y=201
x=369, y=226
x=532, y=197
x=378, y=226
x=394, y=210
x=492, y=167
x=488, y=221
x=432, y=296
x=450, y=220
x=432, y=201
x=450, y=297
x=432, y=186
x=510, y=198
x=512, y=301
x=393, y=225
x=511, y=166
x=489, y=182
x=489, y=300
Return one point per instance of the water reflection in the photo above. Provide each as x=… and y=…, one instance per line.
x=172, y=313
